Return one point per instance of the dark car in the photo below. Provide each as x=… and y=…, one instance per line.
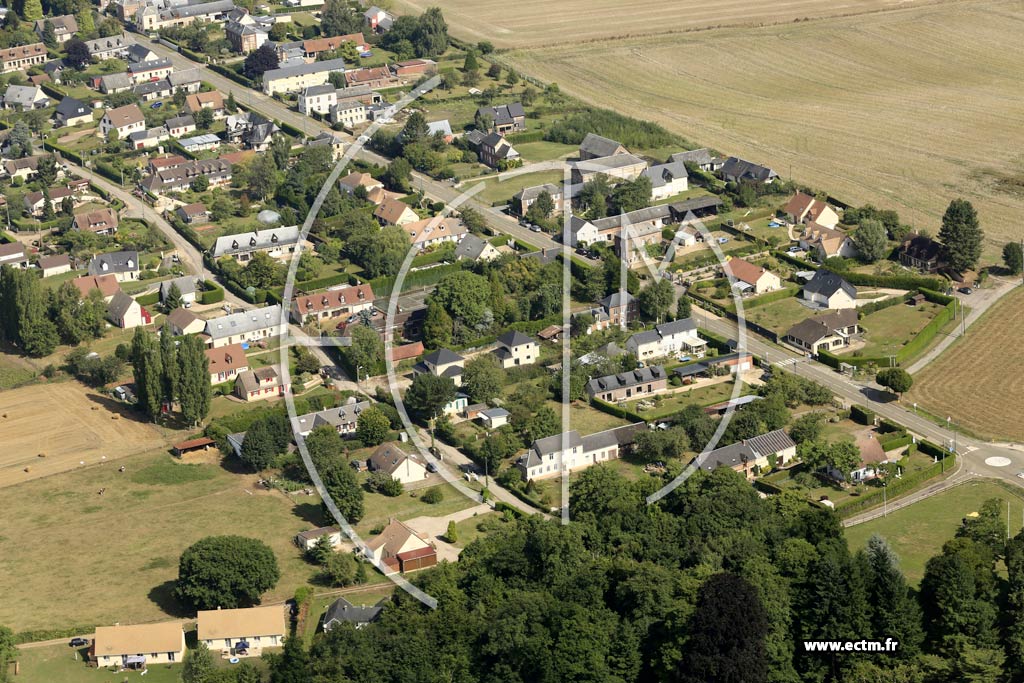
x=78, y=642
x=156, y=105
x=966, y=290
x=431, y=467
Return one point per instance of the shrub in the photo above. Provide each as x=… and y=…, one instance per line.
x=433, y=496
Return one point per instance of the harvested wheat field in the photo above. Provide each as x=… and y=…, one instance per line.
x=905, y=109
x=68, y=424
x=535, y=23
x=979, y=378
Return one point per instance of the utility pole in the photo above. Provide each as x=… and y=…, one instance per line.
x=885, y=501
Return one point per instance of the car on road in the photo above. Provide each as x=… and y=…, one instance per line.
x=1021, y=474
x=535, y=228
x=966, y=290
x=794, y=250
x=78, y=642
x=431, y=467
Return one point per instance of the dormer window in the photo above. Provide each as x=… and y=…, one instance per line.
x=234, y=244
x=273, y=238
x=252, y=241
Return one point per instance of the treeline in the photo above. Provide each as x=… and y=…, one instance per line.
x=171, y=370
x=35, y=319
x=633, y=133
x=712, y=583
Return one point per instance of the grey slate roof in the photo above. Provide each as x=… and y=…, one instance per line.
x=163, y=85
x=771, y=442
x=341, y=610
x=22, y=95
x=599, y=146
x=470, y=247
x=388, y=458
x=137, y=52
x=812, y=330
x=515, y=338
x=119, y=305
x=314, y=90
x=617, y=436
x=332, y=416
x=645, y=337
x=734, y=454
x=616, y=161
x=186, y=285
x=623, y=380
x=503, y=114
x=250, y=380
x=827, y=283
x=676, y=326
x=616, y=299
x=71, y=108
x=553, y=443
x=747, y=170
x=115, y=81
x=663, y=174
x=650, y=213
x=244, y=322
x=179, y=121
x=114, y=262
x=536, y=190
x=253, y=241
x=701, y=157
x=315, y=67
x=151, y=65
x=184, y=77
x=442, y=357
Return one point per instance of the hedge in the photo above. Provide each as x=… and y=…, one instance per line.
x=64, y=152
x=191, y=236
x=523, y=138
x=615, y=410
x=531, y=327
x=895, y=487
x=291, y=130
x=502, y=506
x=232, y=74
x=322, y=282
x=772, y=297
x=715, y=341
x=888, y=302
x=212, y=293
x=794, y=261
x=53, y=91
x=893, y=281
x=863, y=415
x=36, y=635
x=150, y=299
x=896, y=442
x=383, y=286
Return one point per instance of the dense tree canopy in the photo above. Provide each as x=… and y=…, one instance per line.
x=226, y=572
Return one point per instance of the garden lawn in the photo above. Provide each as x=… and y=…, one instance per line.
x=888, y=330
x=496, y=190
x=378, y=508
x=918, y=532
x=586, y=419
x=702, y=396
x=779, y=316
x=543, y=151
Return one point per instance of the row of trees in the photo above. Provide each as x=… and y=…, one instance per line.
x=171, y=370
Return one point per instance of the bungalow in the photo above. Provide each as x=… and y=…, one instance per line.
x=98, y=222
x=871, y=456
x=13, y=254
x=701, y=158
x=24, y=98
x=829, y=331
x=443, y=363
x=54, y=265
x=923, y=253
x=71, y=112
x=109, y=84
x=827, y=242
x=667, y=339
x=620, y=166
x=149, y=91
x=736, y=170
x=123, y=265
x=106, y=285
x=803, y=208
x=413, y=67
x=353, y=180
x=341, y=611
x=492, y=418
x=344, y=419
x=504, y=118
x=307, y=540
x=199, y=143
x=393, y=212
x=432, y=232
x=22, y=57
x=314, y=47
x=568, y=452
x=473, y=248
x=180, y=125
x=64, y=27
x=22, y=168
x=242, y=632
x=667, y=179
x=334, y=303
x=193, y=214
x=400, y=549
x=750, y=277
x=125, y=120
x=277, y=243
x=206, y=100
x=259, y=384
x=35, y=202
x=752, y=456
x=401, y=466
x=226, y=362
x=516, y=349
x=187, y=288
x=244, y=327
x=138, y=645
x=628, y=385
x=183, y=321
x=828, y=290
x=596, y=147
x=524, y=199
x=126, y=312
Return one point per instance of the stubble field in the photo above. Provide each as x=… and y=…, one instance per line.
x=978, y=378
x=905, y=109
x=68, y=424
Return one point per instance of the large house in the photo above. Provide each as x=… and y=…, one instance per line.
x=567, y=452
x=493, y=149
x=400, y=549
x=125, y=120
x=752, y=456
x=64, y=27
x=595, y=146
x=443, y=363
x=226, y=362
x=516, y=349
x=504, y=118
x=401, y=466
x=667, y=179
x=22, y=57
x=242, y=632
x=98, y=222
x=334, y=303
x=618, y=166
x=431, y=232
x=344, y=419
x=667, y=339
x=123, y=265
x=393, y=212
x=829, y=331
x=751, y=278
x=803, y=208
x=260, y=384
x=827, y=242
x=624, y=386
x=524, y=199
x=923, y=253
x=244, y=327
x=179, y=178
x=126, y=312
x=138, y=645
x=277, y=243
x=295, y=78
x=736, y=170
x=828, y=290
x=24, y=98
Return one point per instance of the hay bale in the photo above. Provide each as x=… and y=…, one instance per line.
x=42, y=455
x=27, y=469
x=115, y=417
x=95, y=408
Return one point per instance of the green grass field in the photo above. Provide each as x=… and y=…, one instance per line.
x=778, y=316
x=888, y=330
x=502, y=190
x=543, y=151
x=917, y=532
x=114, y=556
x=14, y=372
x=702, y=396
x=585, y=419
x=379, y=508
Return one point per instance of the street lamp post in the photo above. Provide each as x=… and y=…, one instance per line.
x=358, y=368
x=885, y=501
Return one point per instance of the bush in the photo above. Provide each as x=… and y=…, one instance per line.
x=433, y=496
x=384, y=483
x=862, y=415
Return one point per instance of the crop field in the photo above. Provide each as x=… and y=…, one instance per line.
x=68, y=424
x=872, y=108
x=536, y=22
x=978, y=378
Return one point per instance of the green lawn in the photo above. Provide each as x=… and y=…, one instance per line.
x=468, y=530
x=778, y=316
x=379, y=508
x=131, y=537
x=543, y=151
x=890, y=329
x=586, y=419
x=502, y=190
x=14, y=372
x=918, y=532
x=702, y=396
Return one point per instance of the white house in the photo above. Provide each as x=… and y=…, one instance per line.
x=569, y=451
x=667, y=179
x=402, y=466
x=242, y=632
x=516, y=349
x=752, y=456
x=803, y=208
x=125, y=120
x=126, y=312
x=245, y=327
x=668, y=339
x=752, y=278
x=828, y=290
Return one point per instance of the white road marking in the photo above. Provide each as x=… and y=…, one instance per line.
x=997, y=461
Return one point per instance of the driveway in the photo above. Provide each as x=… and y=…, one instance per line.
x=434, y=528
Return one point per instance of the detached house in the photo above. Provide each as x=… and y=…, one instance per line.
x=516, y=349
x=400, y=549
x=277, y=243
x=138, y=645
x=25, y=98
x=832, y=330
x=828, y=290
x=443, y=363
x=123, y=265
x=803, y=208
x=206, y=100
x=106, y=285
x=432, y=232
x=827, y=242
x=99, y=222
x=524, y=199
x=667, y=179
x=126, y=312
x=752, y=456
x=13, y=254
x=259, y=384
x=620, y=166
x=616, y=310
x=334, y=303
x=667, y=339
x=179, y=178
x=504, y=118
x=244, y=327
x=71, y=112
x=596, y=146
x=344, y=419
x=473, y=248
x=493, y=149
x=183, y=321
x=922, y=253
x=625, y=386
x=736, y=170
x=568, y=452
x=64, y=27
x=125, y=120
x=751, y=278
x=394, y=212
x=701, y=158
x=242, y=632
x=395, y=462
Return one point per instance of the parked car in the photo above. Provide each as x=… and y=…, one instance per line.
x=535, y=228
x=966, y=290
x=431, y=467
x=723, y=240
x=78, y=642
x=156, y=105
x=123, y=393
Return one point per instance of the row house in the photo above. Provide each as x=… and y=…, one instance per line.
x=334, y=303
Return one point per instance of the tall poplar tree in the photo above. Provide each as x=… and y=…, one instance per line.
x=194, y=380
